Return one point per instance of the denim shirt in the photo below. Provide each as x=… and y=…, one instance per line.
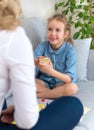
x=63, y=60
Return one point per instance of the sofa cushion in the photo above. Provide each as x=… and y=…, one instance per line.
x=82, y=48
x=78, y=127
x=35, y=30
x=87, y=122
x=86, y=93
x=90, y=66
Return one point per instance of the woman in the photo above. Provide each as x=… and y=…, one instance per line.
x=16, y=65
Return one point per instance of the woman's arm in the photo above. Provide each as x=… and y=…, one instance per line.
x=22, y=77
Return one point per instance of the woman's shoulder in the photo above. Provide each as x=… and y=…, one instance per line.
x=20, y=33
x=19, y=29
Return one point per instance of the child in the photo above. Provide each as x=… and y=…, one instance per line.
x=56, y=77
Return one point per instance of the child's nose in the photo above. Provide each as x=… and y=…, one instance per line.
x=53, y=32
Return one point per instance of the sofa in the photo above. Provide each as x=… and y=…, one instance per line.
x=86, y=95
x=36, y=31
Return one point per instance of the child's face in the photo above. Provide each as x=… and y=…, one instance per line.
x=56, y=34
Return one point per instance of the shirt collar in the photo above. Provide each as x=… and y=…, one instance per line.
x=61, y=49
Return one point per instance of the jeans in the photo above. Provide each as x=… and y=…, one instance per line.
x=63, y=113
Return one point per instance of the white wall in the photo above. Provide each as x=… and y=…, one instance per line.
x=39, y=8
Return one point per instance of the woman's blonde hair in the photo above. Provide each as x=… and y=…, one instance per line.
x=62, y=18
x=9, y=12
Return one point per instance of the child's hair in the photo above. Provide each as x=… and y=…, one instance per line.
x=63, y=19
x=9, y=11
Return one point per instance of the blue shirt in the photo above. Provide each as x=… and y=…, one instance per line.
x=63, y=60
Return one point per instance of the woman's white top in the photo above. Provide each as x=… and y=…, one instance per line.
x=18, y=73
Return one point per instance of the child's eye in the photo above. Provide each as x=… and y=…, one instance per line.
x=57, y=30
x=49, y=29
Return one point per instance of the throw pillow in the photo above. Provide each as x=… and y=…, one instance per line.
x=35, y=30
x=82, y=50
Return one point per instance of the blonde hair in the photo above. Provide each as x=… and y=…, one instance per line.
x=9, y=11
x=63, y=19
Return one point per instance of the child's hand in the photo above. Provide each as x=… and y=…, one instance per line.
x=7, y=115
x=37, y=60
x=45, y=64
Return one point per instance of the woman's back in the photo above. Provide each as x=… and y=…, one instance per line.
x=17, y=73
